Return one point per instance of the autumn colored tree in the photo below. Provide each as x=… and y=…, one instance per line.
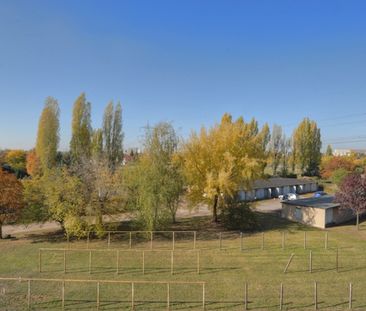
x=48, y=134
x=220, y=161
x=33, y=164
x=330, y=164
x=11, y=198
x=306, y=147
x=329, y=151
x=80, y=144
x=352, y=195
x=97, y=143
x=16, y=159
x=275, y=148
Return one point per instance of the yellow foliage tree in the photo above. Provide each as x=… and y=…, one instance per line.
x=220, y=161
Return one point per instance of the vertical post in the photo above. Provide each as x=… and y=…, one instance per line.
x=40, y=260
x=130, y=241
x=68, y=241
x=337, y=259
x=311, y=262
x=241, y=241
x=262, y=240
x=63, y=295
x=245, y=296
x=315, y=296
x=172, y=262
x=29, y=295
x=98, y=295
x=304, y=239
x=220, y=240
x=281, y=296
x=90, y=262
x=203, y=296
x=143, y=262
x=326, y=240
x=117, y=262
x=151, y=240
x=198, y=262
x=283, y=239
x=173, y=241
x=168, y=296
x=87, y=240
x=109, y=239
x=133, y=296
x=194, y=239
x=64, y=261
x=350, y=296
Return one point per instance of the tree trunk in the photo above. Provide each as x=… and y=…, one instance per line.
x=358, y=220
x=1, y=230
x=214, y=210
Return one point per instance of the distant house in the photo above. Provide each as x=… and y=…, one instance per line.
x=273, y=187
x=318, y=212
x=348, y=152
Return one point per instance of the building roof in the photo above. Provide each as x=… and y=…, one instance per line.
x=324, y=202
x=275, y=182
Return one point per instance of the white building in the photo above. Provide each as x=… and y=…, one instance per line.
x=348, y=152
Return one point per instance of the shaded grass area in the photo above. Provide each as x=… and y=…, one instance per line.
x=225, y=271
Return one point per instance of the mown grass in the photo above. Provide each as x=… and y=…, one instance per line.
x=225, y=271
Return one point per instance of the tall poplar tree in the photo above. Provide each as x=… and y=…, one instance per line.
x=48, y=134
x=80, y=144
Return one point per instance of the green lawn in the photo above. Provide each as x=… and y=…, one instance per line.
x=225, y=271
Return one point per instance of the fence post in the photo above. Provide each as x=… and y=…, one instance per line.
x=68, y=241
x=40, y=260
x=98, y=296
x=87, y=240
x=350, y=296
x=168, y=296
x=172, y=262
x=337, y=259
x=315, y=295
x=288, y=263
x=311, y=262
x=173, y=240
x=194, y=239
x=198, y=262
x=283, y=239
x=304, y=239
x=326, y=240
x=117, y=262
x=151, y=240
x=64, y=261
x=220, y=240
x=245, y=296
x=90, y=262
x=63, y=295
x=281, y=296
x=132, y=295
x=203, y=296
x=241, y=241
x=109, y=239
x=130, y=241
x=143, y=262
x=29, y=295
x=262, y=240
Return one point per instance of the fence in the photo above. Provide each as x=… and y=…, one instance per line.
x=98, y=284
x=117, y=252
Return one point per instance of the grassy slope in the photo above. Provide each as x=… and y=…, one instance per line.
x=225, y=271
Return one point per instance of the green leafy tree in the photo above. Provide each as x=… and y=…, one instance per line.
x=97, y=143
x=276, y=148
x=220, y=161
x=80, y=144
x=17, y=159
x=329, y=151
x=48, y=134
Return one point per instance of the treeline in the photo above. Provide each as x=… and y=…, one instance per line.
x=93, y=180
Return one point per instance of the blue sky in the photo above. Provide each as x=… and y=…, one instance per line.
x=185, y=61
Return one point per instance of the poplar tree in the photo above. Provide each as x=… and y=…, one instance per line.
x=48, y=134
x=97, y=143
x=276, y=147
x=80, y=144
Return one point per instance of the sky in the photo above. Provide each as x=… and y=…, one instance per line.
x=187, y=62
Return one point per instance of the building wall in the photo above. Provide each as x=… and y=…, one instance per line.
x=307, y=215
x=342, y=215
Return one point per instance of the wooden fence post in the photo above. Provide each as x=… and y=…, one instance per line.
x=350, y=297
x=304, y=239
x=337, y=259
x=198, y=262
x=220, y=241
x=245, y=296
x=172, y=262
x=203, y=297
x=132, y=295
x=98, y=296
x=283, y=239
x=117, y=262
x=87, y=240
x=29, y=295
x=241, y=241
x=194, y=239
x=143, y=262
x=288, y=263
x=311, y=262
x=64, y=261
x=63, y=295
x=168, y=296
x=130, y=241
x=173, y=241
x=281, y=296
x=109, y=239
x=40, y=260
x=262, y=240
x=90, y=262
x=151, y=240
x=315, y=295
x=326, y=240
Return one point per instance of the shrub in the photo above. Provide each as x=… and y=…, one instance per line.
x=239, y=216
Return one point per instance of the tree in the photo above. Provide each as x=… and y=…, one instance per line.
x=329, y=151
x=16, y=159
x=329, y=164
x=80, y=144
x=306, y=146
x=48, y=134
x=155, y=181
x=276, y=147
x=285, y=152
x=33, y=164
x=97, y=143
x=352, y=194
x=113, y=135
x=11, y=200
x=339, y=175
x=220, y=161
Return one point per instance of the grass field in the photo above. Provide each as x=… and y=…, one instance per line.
x=225, y=271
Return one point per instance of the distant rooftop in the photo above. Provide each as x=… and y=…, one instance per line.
x=275, y=182
x=324, y=202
